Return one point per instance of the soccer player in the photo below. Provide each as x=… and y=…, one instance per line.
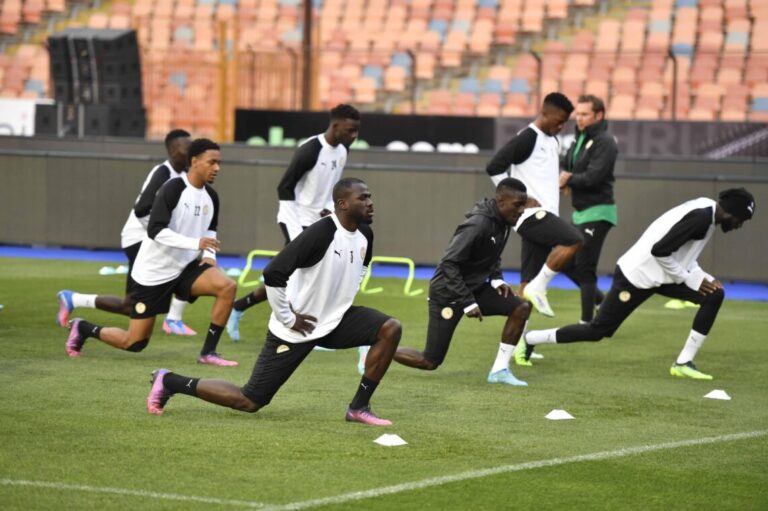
x=532, y=157
x=176, y=145
x=182, y=224
x=305, y=190
x=469, y=281
x=311, y=284
x=664, y=261
x=589, y=178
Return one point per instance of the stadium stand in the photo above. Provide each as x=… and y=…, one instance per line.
x=460, y=57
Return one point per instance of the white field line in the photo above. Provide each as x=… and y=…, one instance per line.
x=390, y=490
x=476, y=474
x=132, y=493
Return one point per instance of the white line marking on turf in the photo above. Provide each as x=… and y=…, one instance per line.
x=132, y=493
x=390, y=490
x=475, y=474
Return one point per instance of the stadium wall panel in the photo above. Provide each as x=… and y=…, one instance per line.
x=78, y=193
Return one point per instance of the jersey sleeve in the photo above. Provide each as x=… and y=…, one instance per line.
x=306, y=250
x=693, y=226
x=146, y=198
x=459, y=251
x=304, y=159
x=166, y=200
x=516, y=151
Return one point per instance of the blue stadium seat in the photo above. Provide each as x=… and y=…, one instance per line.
x=469, y=85
x=659, y=26
x=493, y=85
x=439, y=26
x=488, y=3
x=401, y=60
x=461, y=26
x=179, y=79
x=519, y=85
x=686, y=3
x=374, y=72
x=760, y=105
x=682, y=49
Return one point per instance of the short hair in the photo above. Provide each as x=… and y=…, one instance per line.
x=558, y=100
x=343, y=186
x=511, y=184
x=175, y=135
x=597, y=104
x=737, y=202
x=201, y=145
x=344, y=111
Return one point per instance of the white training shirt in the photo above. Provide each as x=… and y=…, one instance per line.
x=307, y=185
x=532, y=157
x=668, y=250
x=181, y=215
x=136, y=226
x=319, y=274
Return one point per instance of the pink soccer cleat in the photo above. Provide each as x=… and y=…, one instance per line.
x=177, y=327
x=214, y=359
x=75, y=341
x=366, y=416
x=158, y=396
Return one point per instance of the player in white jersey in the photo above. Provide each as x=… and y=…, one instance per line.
x=176, y=145
x=549, y=243
x=305, y=190
x=177, y=256
x=311, y=284
x=665, y=261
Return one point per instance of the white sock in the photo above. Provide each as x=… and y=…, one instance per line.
x=542, y=280
x=176, y=310
x=81, y=300
x=535, y=337
x=692, y=345
x=502, y=357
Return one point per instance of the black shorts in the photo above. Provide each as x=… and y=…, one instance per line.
x=131, y=253
x=149, y=301
x=444, y=318
x=623, y=298
x=541, y=233
x=279, y=359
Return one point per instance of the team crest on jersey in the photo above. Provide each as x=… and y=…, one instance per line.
x=540, y=214
x=282, y=348
x=625, y=296
x=589, y=144
x=446, y=313
x=140, y=308
x=206, y=209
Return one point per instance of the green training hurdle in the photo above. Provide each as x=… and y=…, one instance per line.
x=391, y=260
x=247, y=269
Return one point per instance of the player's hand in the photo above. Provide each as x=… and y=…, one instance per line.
x=209, y=244
x=325, y=212
x=504, y=290
x=475, y=313
x=304, y=323
x=708, y=287
x=208, y=260
x=564, y=177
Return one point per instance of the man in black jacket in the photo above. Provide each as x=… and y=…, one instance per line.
x=469, y=281
x=588, y=175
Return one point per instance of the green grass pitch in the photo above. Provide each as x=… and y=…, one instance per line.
x=75, y=433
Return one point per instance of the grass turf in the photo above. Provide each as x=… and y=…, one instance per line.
x=83, y=422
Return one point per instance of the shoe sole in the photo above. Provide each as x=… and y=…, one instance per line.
x=73, y=353
x=154, y=380
x=680, y=374
x=62, y=305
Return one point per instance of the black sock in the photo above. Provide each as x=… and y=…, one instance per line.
x=211, y=339
x=86, y=329
x=364, y=392
x=244, y=303
x=178, y=384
